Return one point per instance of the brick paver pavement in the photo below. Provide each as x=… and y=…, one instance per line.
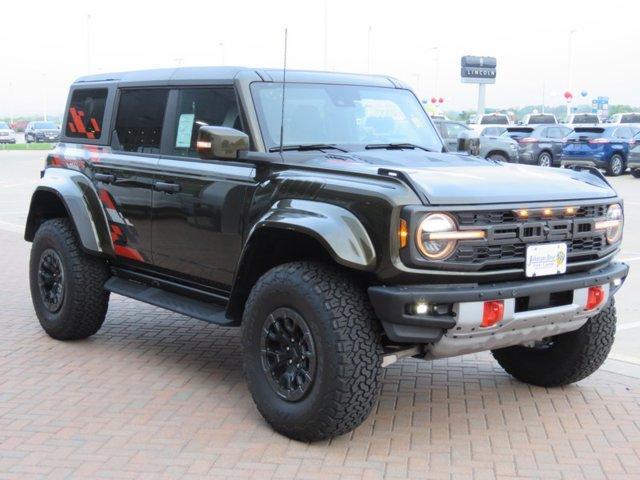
x=158, y=395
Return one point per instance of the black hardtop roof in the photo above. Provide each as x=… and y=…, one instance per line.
x=193, y=75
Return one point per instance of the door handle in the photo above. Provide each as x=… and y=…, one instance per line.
x=166, y=187
x=104, y=177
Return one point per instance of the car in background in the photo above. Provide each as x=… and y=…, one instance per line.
x=539, y=145
x=6, y=134
x=539, y=119
x=583, y=119
x=633, y=160
x=605, y=147
x=630, y=117
x=478, y=123
x=492, y=147
x=41, y=131
x=493, y=131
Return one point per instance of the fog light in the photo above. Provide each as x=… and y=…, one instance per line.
x=421, y=308
x=595, y=297
x=493, y=313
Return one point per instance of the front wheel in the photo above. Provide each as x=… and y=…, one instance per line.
x=545, y=159
x=565, y=358
x=616, y=166
x=498, y=157
x=311, y=351
x=66, y=283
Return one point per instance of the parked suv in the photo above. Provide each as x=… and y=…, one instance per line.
x=630, y=117
x=491, y=146
x=339, y=238
x=41, y=132
x=633, y=159
x=539, y=145
x=604, y=147
x=7, y=135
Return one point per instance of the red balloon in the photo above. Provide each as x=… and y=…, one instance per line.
x=434, y=99
x=568, y=95
x=441, y=100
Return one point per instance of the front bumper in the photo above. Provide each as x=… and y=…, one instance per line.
x=457, y=330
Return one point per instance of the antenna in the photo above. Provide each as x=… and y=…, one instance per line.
x=284, y=82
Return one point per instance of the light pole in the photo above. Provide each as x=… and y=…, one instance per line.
x=221, y=45
x=88, y=43
x=369, y=50
x=570, y=68
x=44, y=91
x=10, y=109
x=436, y=50
x=326, y=21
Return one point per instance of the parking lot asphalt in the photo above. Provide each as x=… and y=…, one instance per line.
x=158, y=395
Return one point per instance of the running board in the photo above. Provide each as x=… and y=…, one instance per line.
x=209, y=312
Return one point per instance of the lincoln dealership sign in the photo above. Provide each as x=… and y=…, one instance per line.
x=478, y=69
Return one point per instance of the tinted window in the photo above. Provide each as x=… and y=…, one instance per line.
x=623, y=132
x=555, y=133
x=542, y=119
x=630, y=118
x=517, y=133
x=587, y=133
x=44, y=126
x=86, y=112
x=200, y=107
x=3, y=125
x=139, y=121
x=582, y=118
x=494, y=120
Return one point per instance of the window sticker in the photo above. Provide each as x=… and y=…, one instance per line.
x=185, y=129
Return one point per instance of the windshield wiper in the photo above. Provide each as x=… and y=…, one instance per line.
x=308, y=147
x=396, y=146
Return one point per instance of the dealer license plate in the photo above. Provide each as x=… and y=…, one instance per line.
x=546, y=259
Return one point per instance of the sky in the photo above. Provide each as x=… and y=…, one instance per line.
x=50, y=43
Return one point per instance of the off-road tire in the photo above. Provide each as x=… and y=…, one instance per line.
x=614, y=171
x=570, y=358
x=346, y=335
x=85, y=301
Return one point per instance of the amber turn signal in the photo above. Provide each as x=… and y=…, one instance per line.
x=403, y=233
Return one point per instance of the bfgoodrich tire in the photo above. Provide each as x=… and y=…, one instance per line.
x=311, y=351
x=566, y=358
x=66, y=284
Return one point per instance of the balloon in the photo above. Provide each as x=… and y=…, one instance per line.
x=441, y=100
x=568, y=95
x=434, y=99
x=584, y=93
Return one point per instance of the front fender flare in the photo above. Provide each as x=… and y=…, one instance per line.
x=80, y=199
x=336, y=228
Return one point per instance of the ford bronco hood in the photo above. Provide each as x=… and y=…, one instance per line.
x=453, y=179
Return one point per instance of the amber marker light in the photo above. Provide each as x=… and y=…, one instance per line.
x=570, y=210
x=403, y=233
x=523, y=213
x=547, y=212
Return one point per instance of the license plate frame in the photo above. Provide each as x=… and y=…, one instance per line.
x=546, y=259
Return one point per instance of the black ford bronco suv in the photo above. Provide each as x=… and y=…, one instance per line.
x=334, y=228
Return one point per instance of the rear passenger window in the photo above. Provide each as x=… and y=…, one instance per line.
x=139, y=122
x=86, y=112
x=198, y=107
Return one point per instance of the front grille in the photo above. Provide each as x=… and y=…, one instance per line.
x=508, y=236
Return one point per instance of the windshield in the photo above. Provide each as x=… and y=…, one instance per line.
x=342, y=115
x=542, y=119
x=4, y=126
x=45, y=126
x=494, y=120
x=630, y=118
x=585, y=118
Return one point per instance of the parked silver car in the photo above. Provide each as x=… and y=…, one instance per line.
x=492, y=145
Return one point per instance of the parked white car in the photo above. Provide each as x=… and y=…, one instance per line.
x=583, y=119
x=479, y=123
x=629, y=117
x=6, y=134
x=539, y=119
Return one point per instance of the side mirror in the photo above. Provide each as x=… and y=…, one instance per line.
x=469, y=142
x=221, y=142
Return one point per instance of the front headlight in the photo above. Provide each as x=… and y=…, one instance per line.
x=437, y=236
x=613, y=225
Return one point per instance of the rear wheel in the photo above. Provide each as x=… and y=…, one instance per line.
x=498, y=157
x=545, y=159
x=66, y=284
x=565, y=358
x=616, y=165
x=311, y=351
x=636, y=172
